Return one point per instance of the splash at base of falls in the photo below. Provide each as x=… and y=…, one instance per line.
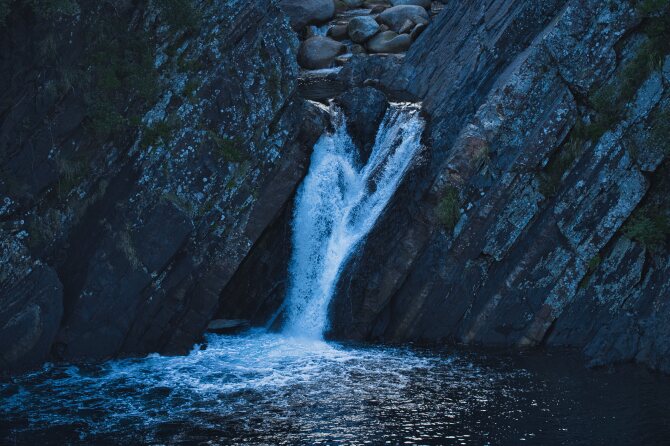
x=336, y=207
x=266, y=388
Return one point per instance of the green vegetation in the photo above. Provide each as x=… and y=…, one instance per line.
x=646, y=8
x=448, y=210
x=610, y=101
x=5, y=8
x=180, y=14
x=227, y=148
x=659, y=137
x=46, y=9
x=71, y=172
x=550, y=178
x=121, y=65
x=591, y=266
x=49, y=9
x=190, y=88
x=159, y=132
x=648, y=226
x=594, y=263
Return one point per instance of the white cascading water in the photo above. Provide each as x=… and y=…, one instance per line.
x=337, y=206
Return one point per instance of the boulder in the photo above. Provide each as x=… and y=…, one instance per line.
x=307, y=12
x=357, y=49
x=337, y=32
x=364, y=109
x=418, y=29
x=396, y=16
x=319, y=52
x=423, y=3
x=353, y=3
x=407, y=27
x=389, y=42
x=362, y=28
x=377, y=9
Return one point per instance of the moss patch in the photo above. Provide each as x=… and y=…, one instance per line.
x=610, y=101
x=227, y=148
x=448, y=210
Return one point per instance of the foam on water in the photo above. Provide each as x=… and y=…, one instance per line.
x=337, y=205
x=266, y=388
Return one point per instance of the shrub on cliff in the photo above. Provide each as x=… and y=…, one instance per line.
x=448, y=210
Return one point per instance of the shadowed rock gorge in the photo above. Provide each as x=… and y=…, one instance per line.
x=150, y=152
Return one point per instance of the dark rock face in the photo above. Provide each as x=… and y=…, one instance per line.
x=135, y=242
x=127, y=250
x=364, y=109
x=29, y=318
x=503, y=99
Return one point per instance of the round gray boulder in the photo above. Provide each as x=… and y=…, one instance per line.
x=319, y=52
x=337, y=32
x=307, y=12
x=362, y=28
x=389, y=42
x=423, y=3
x=396, y=16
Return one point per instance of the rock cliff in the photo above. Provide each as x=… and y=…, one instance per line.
x=539, y=219
x=147, y=189
x=144, y=149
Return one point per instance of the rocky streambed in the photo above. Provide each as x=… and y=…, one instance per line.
x=332, y=31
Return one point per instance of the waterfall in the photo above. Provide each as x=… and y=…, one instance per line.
x=336, y=207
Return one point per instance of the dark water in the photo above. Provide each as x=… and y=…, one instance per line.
x=268, y=389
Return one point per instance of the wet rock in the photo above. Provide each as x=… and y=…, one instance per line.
x=320, y=87
x=319, y=52
x=514, y=269
x=149, y=231
x=406, y=27
x=357, y=49
x=362, y=28
x=30, y=314
x=423, y=3
x=389, y=42
x=364, y=109
x=396, y=16
x=417, y=30
x=228, y=326
x=337, y=32
x=307, y=12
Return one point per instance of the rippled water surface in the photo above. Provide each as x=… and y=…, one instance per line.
x=260, y=388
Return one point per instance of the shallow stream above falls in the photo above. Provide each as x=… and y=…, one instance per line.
x=262, y=388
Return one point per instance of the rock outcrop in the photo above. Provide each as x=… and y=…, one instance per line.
x=538, y=215
x=121, y=228
x=531, y=215
x=364, y=109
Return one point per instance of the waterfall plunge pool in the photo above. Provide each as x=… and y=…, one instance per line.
x=294, y=388
x=268, y=388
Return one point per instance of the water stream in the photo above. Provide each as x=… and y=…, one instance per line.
x=336, y=207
